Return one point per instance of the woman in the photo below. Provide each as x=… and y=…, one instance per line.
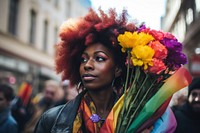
x=89, y=55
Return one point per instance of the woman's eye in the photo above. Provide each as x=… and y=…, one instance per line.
x=83, y=59
x=99, y=59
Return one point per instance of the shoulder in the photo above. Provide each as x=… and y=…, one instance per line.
x=58, y=116
x=47, y=119
x=10, y=125
x=12, y=121
x=52, y=113
x=179, y=110
x=58, y=110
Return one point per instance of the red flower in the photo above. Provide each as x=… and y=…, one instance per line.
x=158, y=66
x=158, y=35
x=146, y=30
x=170, y=36
x=160, y=50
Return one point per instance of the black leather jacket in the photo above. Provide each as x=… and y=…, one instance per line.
x=59, y=119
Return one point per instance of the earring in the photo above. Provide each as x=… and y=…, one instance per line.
x=80, y=87
x=113, y=83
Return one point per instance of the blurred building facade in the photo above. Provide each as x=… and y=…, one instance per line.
x=182, y=18
x=28, y=34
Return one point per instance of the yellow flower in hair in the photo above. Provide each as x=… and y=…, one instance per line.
x=130, y=40
x=142, y=56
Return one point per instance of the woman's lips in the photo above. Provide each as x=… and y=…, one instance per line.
x=88, y=77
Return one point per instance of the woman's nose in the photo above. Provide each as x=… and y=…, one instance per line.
x=89, y=65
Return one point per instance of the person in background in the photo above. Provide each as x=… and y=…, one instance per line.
x=46, y=101
x=60, y=95
x=69, y=91
x=7, y=122
x=188, y=115
x=72, y=92
x=21, y=107
x=49, y=95
x=64, y=86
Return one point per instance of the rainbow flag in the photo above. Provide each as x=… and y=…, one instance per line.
x=25, y=91
x=156, y=107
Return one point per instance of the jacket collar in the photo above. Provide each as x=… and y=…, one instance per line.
x=66, y=116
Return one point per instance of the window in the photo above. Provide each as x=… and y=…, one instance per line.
x=13, y=12
x=55, y=35
x=197, y=3
x=45, y=35
x=181, y=29
x=32, y=26
x=189, y=16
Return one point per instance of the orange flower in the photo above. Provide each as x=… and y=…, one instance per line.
x=160, y=50
x=158, y=66
x=158, y=35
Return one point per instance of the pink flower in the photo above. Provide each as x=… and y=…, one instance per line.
x=158, y=35
x=160, y=50
x=158, y=66
x=146, y=30
x=170, y=36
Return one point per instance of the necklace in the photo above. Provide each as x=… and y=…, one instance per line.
x=95, y=118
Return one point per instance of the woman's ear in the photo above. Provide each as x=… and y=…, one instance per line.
x=118, y=72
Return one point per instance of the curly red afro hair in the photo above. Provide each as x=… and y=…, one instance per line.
x=76, y=34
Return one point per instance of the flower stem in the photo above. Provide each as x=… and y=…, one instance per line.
x=139, y=106
x=125, y=91
x=132, y=87
x=136, y=96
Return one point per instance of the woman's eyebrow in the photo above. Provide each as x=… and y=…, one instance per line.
x=96, y=52
x=85, y=53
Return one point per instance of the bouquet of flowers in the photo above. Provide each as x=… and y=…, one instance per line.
x=154, y=73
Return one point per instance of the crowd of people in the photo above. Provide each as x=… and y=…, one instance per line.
x=19, y=112
x=93, y=63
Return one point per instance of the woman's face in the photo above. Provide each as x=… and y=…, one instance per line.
x=97, y=68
